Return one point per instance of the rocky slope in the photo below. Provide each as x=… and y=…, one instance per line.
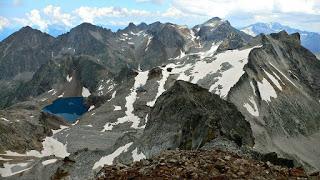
x=200, y=164
x=279, y=95
x=23, y=52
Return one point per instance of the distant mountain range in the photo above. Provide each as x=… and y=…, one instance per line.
x=310, y=40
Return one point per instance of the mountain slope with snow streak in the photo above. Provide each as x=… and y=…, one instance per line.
x=278, y=96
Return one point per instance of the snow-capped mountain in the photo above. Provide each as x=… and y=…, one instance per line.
x=151, y=87
x=309, y=40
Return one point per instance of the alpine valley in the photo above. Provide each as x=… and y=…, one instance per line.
x=73, y=104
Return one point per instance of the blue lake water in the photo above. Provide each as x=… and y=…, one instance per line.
x=70, y=108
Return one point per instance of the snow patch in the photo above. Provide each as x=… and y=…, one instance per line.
x=252, y=107
x=85, y=92
x=284, y=75
x=210, y=52
x=274, y=80
x=51, y=146
x=117, y=108
x=253, y=89
x=136, y=156
x=5, y=119
x=162, y=81
x=100, y=88
x=136, y=34
x=109, y=159
x=49, y=161
x=91, y=107
x=113, y=95
x=12, y=169
x=266, y=90
x=61, y=95
x=59, y=130
x=148, y=42
x=182, y=55
x=69, y=78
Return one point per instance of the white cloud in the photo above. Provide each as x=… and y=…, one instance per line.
x=42, y=19
x=173, y=13
x=57, y=17
x=304, y=6
x=121, y=23
x=89, y=14
x=34, y=18
x=4, y=22
x=223, y=8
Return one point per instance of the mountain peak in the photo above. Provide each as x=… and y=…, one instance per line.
x=28, y=29
x=142, y=25
x=84, y=26
x=26, y=32
x=25, y=28
x=215, y=22
x=132, y=25
x=214, y=19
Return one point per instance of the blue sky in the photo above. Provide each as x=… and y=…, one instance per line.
x=63, y=15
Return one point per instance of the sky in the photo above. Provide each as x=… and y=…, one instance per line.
x=62, y=15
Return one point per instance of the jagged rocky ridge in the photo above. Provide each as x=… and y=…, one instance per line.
x=122, y=94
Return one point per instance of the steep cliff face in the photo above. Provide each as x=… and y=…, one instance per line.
x=279, y=95
x=187, y=116
x=23, y=52
x=61, y=77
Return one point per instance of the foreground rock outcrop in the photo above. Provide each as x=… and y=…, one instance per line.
x=187, y=116
x=195, y=164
